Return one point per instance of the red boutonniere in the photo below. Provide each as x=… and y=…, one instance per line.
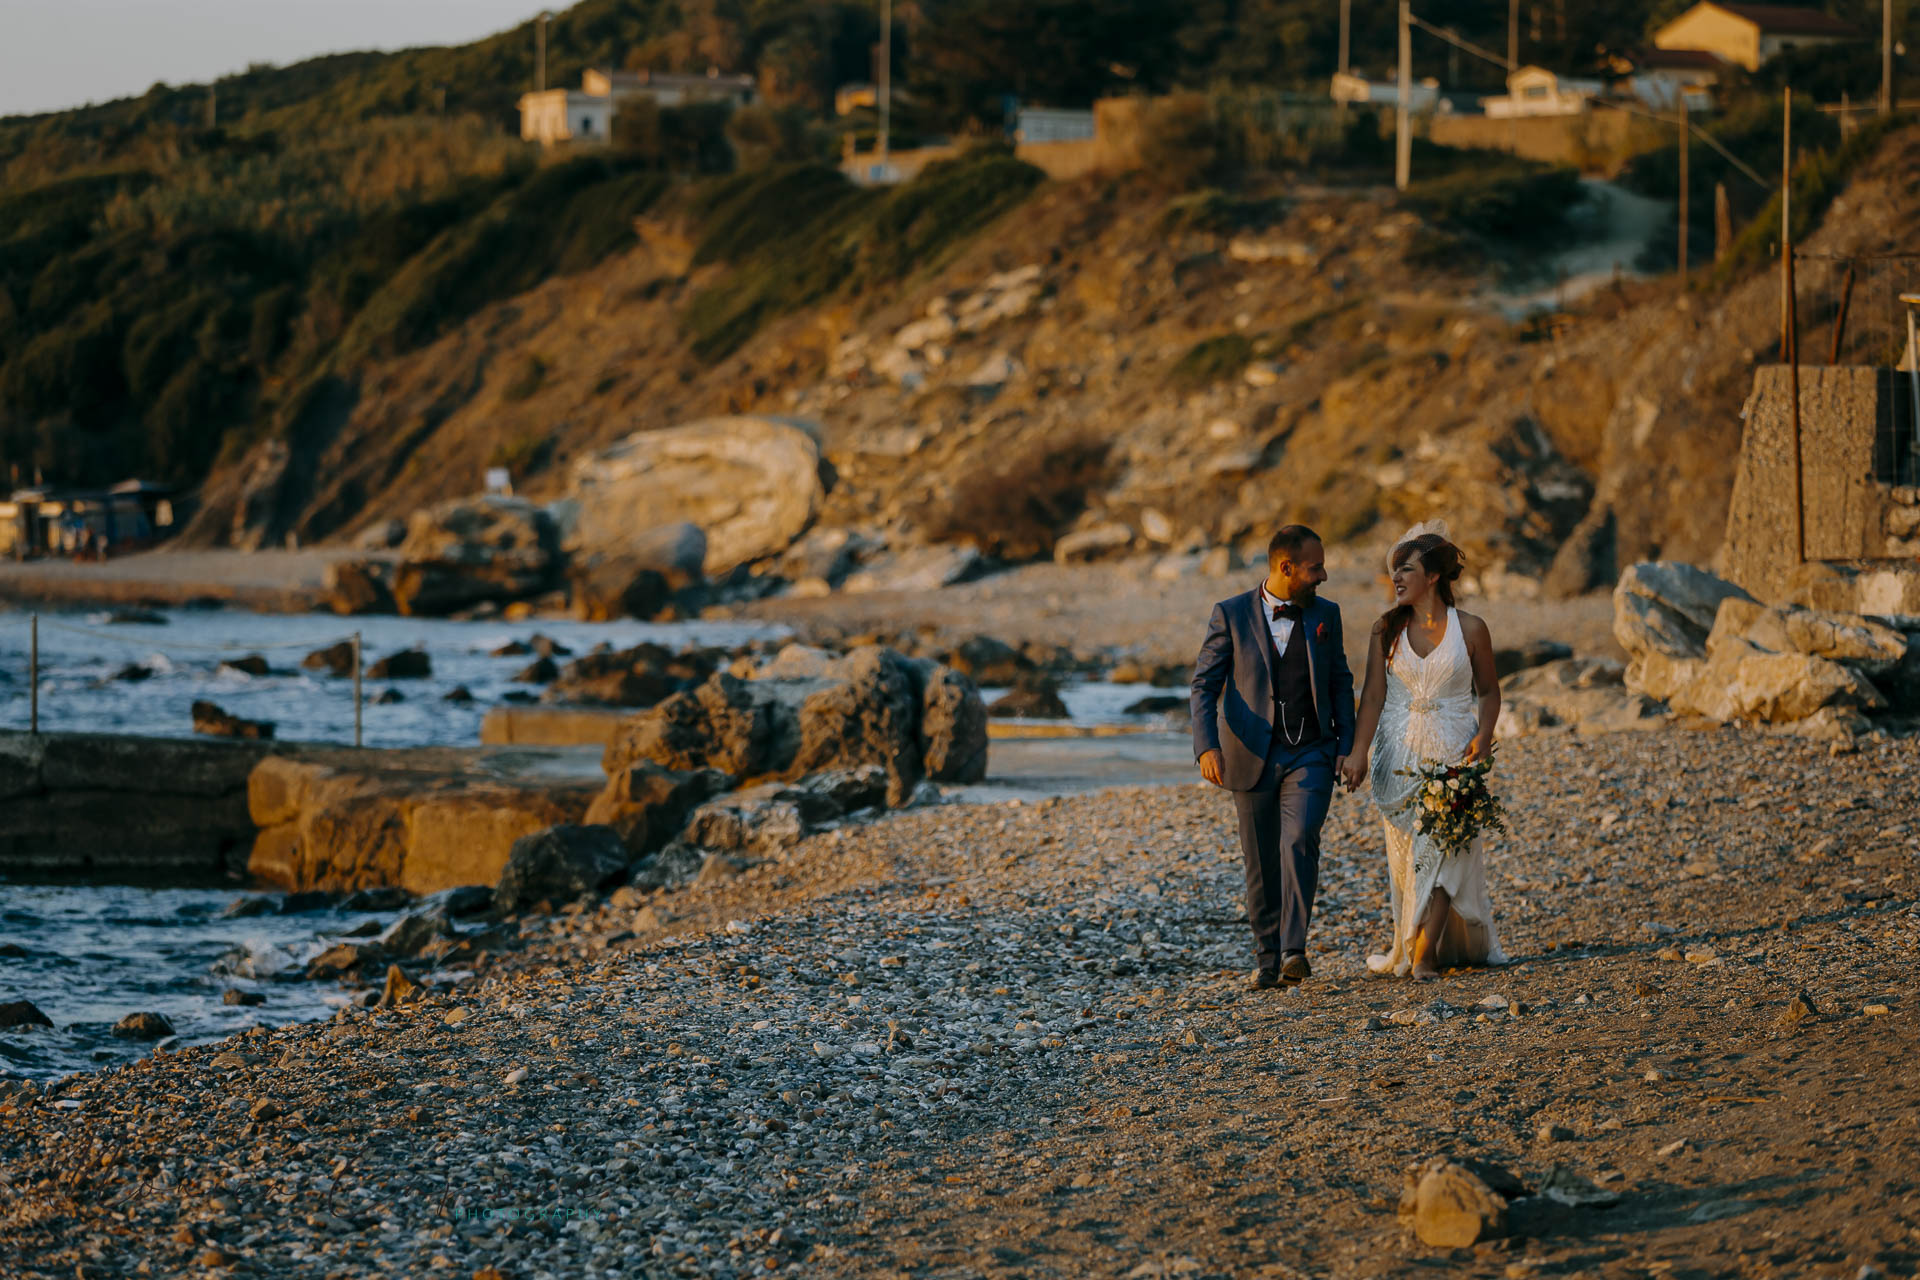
x=1320, y=631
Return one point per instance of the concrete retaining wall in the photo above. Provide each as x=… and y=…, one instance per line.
x=112, y=809
x=1859, y=560
x=1597, y=142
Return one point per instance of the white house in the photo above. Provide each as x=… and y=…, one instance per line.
x=586, y=114
x=1748, y=35
x=1536, y=91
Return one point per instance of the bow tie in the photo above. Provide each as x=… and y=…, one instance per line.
x=1287, y=610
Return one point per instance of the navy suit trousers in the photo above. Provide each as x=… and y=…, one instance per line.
x=1280, y=821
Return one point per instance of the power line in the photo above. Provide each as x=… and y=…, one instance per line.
x=1451, y=38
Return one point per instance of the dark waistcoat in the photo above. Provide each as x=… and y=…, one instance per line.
x=1293, y=688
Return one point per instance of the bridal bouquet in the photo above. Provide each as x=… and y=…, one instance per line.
x=1451, y=803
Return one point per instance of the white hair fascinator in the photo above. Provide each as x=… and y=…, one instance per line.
x=1420, y=530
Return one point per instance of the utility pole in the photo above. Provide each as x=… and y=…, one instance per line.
x=1683, y=190
x=1513, y=36
x=1790, y=319
x=540, y=52
x=886, y=75
x=1346, y=40
x=213, y=105
x=1403, y=134
x=1886, y=57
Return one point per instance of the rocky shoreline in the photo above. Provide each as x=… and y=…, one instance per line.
x=1011, y=1040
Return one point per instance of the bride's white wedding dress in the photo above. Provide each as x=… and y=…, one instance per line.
x=1430, y=714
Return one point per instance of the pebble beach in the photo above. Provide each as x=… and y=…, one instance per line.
x=1015, y=1040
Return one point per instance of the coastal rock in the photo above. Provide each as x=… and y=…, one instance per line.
x=1587, y=694
x=916, y=569
x=343, y=958
x=647, y=805
x=750, y=484
x=640, y=577
x=1035, y=700
x=335, y=659
x=774, y=816
x=989, y=661
x=1536, y=653
x=210, y=720
x=1095, y=543
x=1668, y=607
x=407, y=935
x=1452, y=1207
x=636, y=677
x=132, y=673
x=143, y=1026
x=388, y=697
x=559, y=864
x=540, y=671
x=953, y=725
x=22, y=1013
x=359, y=586
x=408, y=664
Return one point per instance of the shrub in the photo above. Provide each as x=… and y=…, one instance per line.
x=1013, y=506
x=1178, y=141
x=1513, y=200
x=1212, y=360
x=763, y=136
x=1815, y=183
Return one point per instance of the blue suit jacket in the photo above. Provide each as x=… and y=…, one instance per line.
x=1233, y=685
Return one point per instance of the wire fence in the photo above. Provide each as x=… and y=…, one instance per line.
x=1853, y=311
x=145, y=645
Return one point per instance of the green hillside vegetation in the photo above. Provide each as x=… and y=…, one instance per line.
x=180, y=270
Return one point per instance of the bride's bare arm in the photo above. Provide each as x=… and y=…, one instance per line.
x=1373, y=696
x=1486, y=683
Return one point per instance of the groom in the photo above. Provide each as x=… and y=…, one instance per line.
x=1273, y=723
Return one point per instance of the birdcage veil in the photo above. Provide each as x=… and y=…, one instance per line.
x=1419, y=530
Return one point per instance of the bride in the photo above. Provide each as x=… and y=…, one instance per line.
x=1432, y=694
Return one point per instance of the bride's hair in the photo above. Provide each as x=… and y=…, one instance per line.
x=1436, y=556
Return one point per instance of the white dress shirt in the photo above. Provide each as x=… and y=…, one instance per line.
x=1282, y=628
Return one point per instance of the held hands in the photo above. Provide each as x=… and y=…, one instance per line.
x=1210, y=768
x=1477, y=750
x=1352, y=771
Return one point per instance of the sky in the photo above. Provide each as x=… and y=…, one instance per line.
x=63, y=53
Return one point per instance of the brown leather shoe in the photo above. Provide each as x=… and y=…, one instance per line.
x=1265, y=978
x=1295, y=970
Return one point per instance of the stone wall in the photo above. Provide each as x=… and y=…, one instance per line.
x=113, y=809
x=1861, y=559
x=1598, y=142
x=93, y=806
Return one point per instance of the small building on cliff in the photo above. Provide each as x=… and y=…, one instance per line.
x=554, y=116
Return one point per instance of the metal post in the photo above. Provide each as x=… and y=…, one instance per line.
x=1913, y=356
x=1683, y=190
x=356, y=688
x=540, y=53
x=1346, y=30
x=1886, y=57
x=1790, y=320
x=886, y=75
x=1840, y=320
x=33, y=675
x=1403, y=135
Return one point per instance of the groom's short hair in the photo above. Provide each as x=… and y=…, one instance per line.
x=1289, y=540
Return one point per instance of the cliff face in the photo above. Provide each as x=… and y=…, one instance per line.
x=1101, y=357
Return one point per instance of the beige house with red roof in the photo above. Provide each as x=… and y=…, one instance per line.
x=1748, y=35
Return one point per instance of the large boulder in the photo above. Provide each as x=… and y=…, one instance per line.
x=209, y=719
x=641, y=577
x=1587, y=695
x=471, y=550
x=1668, y=607
x=359, y=586
x=559, y=864
x=953, y=725
x=807, y=711
x=647, y=805
x=750, y=484
x=774, y=816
